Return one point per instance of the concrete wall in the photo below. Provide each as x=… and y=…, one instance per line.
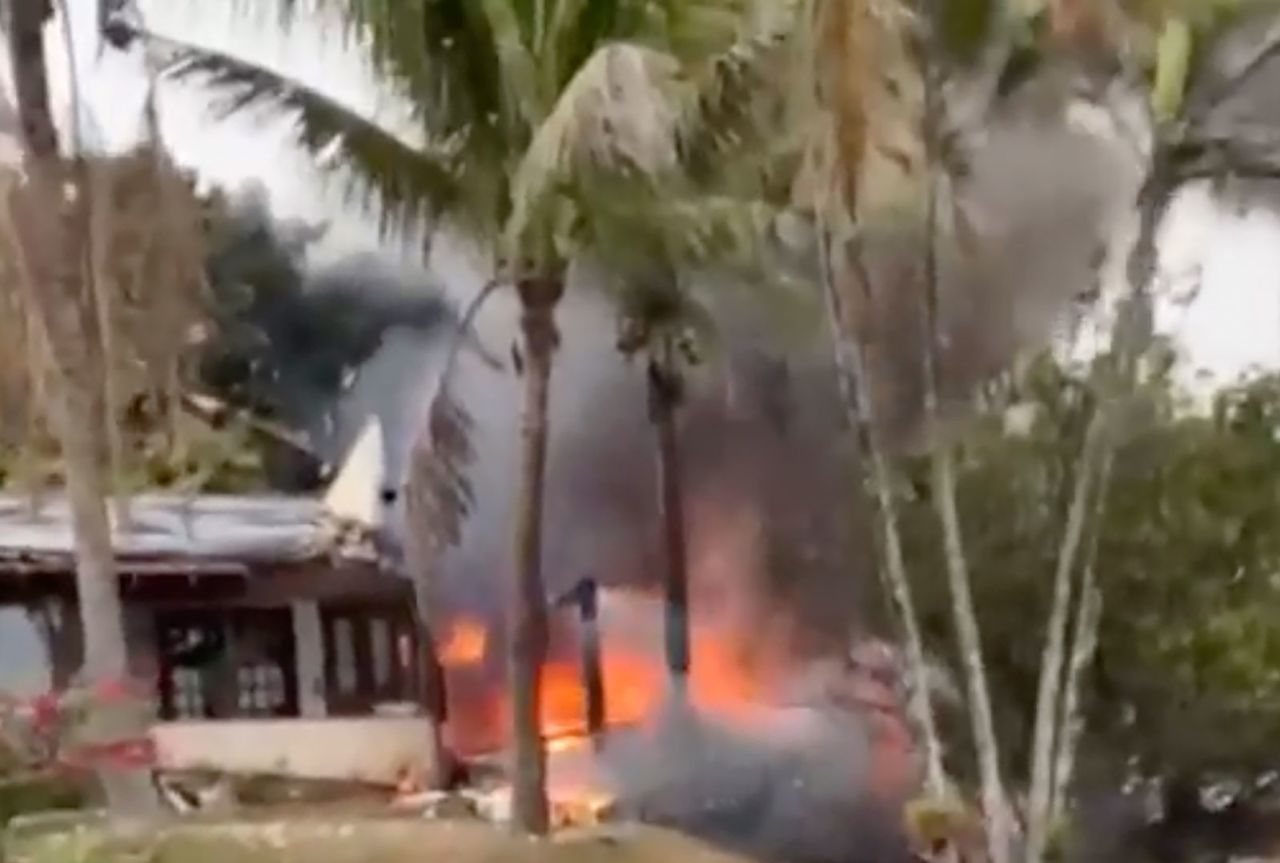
x=378, y=750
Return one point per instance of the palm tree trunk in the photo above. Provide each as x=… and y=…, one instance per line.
x=1044, y=743
x=855, y=392
x=995, y=806
x=527, y=643
x=45, y=213
x=665, y=385
x=994, y=802
x=1070, y=722
x=79, y=416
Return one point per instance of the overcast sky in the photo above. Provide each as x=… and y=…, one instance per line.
x=1232, y=324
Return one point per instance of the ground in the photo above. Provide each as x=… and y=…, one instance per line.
x=75, y=839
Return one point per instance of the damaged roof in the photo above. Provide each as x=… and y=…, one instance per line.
x=267, y=529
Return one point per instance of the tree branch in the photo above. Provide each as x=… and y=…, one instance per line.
x=1214, y=96
x=1238, y=154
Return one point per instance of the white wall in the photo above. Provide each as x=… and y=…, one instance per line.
x=368, y=749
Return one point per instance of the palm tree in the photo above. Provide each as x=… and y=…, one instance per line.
x=872, y=155
x=849, y=115
x=533, y=120
x=656, y=317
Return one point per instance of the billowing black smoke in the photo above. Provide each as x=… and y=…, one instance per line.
x=293, y=342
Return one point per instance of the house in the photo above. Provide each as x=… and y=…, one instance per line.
x=245, y=612
x=235, y=606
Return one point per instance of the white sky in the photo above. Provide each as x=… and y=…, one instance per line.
x=1231, y=325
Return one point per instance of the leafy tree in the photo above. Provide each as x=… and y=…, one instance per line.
x=1187, y=550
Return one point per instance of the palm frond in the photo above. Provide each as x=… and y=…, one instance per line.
x=408, y=183
x=517, y=68
x=735, y=105
x=693, y=30
x=857, y=101
x=438, y=492
x=445, y=57
x=616, y=117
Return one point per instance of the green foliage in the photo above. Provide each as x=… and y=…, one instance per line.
x=146, y=255
x=191, y=457
x=524, y=109
x=24, y=795
x=1187, y=556
x=965, y=25
x=1173, y=66
x=409, y=183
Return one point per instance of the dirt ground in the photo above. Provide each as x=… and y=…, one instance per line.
x=334, y=840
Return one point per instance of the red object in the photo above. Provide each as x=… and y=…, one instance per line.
x=114, y=691
x=45, y=709
x=132, y=753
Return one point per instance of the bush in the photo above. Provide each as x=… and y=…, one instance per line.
x=20, y=795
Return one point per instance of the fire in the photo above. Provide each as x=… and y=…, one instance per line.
x=635, y=685
x=721, y=684
x=466, y=644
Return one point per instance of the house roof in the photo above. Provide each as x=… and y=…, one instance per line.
x=269, y=529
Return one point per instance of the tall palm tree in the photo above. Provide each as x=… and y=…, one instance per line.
x=656, y=321
x=534, y=121
x=850, y=121
x=871, y=154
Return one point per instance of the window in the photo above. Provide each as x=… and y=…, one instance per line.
x=188, y=694
x=261, y=689
x=219, y=663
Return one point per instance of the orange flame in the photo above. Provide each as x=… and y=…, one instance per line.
x=466, y=644
x=635, y=685
x=721, y=684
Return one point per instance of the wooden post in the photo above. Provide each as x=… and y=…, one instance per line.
x=585, y=595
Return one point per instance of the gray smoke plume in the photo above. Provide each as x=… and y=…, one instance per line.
x=1042, y=197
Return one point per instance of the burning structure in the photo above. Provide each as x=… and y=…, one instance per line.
x=790, y=746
